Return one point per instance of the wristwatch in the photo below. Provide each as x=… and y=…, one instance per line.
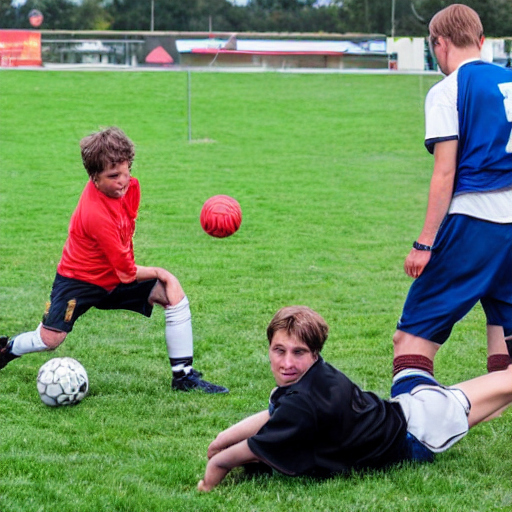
x=421, y=247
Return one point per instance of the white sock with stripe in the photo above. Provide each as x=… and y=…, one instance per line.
x=178, y=336
x=28, y=342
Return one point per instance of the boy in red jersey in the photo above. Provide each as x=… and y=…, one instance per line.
x=98, y=269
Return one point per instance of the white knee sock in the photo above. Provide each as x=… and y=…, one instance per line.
x=178, y=336
x=28, y=342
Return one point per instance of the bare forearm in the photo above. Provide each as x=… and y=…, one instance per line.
x=146, y=273
x=440, y=196
x=238, y=432
x=213, y=475
x=223, y=462
x=230, y=449
x=441, y=190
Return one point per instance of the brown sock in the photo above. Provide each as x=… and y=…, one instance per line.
x=498, y=362
x=413, y=361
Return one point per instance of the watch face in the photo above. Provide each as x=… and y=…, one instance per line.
x=421, y=247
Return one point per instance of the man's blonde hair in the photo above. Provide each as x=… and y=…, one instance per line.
x=303, y=323
x=458, y=23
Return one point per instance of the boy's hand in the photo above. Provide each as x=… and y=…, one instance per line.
x=416, y=262
x=213, y=449
x=202, y=487
x=168, y=292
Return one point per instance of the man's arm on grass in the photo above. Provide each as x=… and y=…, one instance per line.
x=241, y=431
x=223, y=462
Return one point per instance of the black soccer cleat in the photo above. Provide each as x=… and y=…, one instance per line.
x=182, y=381
x=6, y=356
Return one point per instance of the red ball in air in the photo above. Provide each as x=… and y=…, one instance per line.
x=221, y=216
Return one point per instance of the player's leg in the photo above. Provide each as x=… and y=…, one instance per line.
x=447, y=289
x=62, y=311
x=498, y=357
x=413, y=352
x=426, y=320
x=140, y=297
x=487, y=394
x=178, y=328
x=33, y=341
x=37, y=341
x=497, y=305
x=499, y=317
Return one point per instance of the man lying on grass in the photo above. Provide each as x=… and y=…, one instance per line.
x=320, y=423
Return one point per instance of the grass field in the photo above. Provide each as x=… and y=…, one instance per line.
x=332, y=177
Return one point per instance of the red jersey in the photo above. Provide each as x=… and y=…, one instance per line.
x=99, y=247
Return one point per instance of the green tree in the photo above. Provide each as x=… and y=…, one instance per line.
x=92, y=15
x=8, y=14
x=411, y=17
x=496, y=15
x=296, y=16
x=58, y=14
x=281, y=5
x=369, y=16
x=192, y=15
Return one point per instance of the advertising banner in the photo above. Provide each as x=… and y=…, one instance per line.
x=20, y=48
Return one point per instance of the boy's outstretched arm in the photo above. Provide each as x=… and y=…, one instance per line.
x=230, y=449
x=238, y=432
x=223, y=462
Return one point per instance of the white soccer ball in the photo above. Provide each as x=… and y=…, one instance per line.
x=62, y=381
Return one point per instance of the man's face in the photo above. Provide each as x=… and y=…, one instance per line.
x=289, y=358
x=114, y=180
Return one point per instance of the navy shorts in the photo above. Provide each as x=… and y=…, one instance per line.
x=71, y=298
x=471, y=261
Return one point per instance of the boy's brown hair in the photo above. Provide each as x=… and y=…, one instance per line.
x=105, y=148
x=301, y=322
x=458, y=23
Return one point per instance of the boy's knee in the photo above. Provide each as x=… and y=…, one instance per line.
x=52, y=339
x=397, y=337
x=175, y=283
x=169, y=293
x=401, y=339
x=405, y=343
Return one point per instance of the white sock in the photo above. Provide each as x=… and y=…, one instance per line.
x=178, y=336
x=28, y=342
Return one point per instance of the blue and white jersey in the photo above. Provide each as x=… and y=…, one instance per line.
x=474, y=106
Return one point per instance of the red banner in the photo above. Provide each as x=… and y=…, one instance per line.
x=20, y=48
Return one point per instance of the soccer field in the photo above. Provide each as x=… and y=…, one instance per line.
x=332, y=177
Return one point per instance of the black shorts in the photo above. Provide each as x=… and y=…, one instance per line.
x=71, y=298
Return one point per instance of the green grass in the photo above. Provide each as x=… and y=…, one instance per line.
x=332, y=178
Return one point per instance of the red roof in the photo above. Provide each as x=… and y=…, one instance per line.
x=159, y=56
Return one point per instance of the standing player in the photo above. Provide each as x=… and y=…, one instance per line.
x=98, y=269
x=320, y=423
x=464, y=251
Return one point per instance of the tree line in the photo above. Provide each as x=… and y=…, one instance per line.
x=389, y=17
